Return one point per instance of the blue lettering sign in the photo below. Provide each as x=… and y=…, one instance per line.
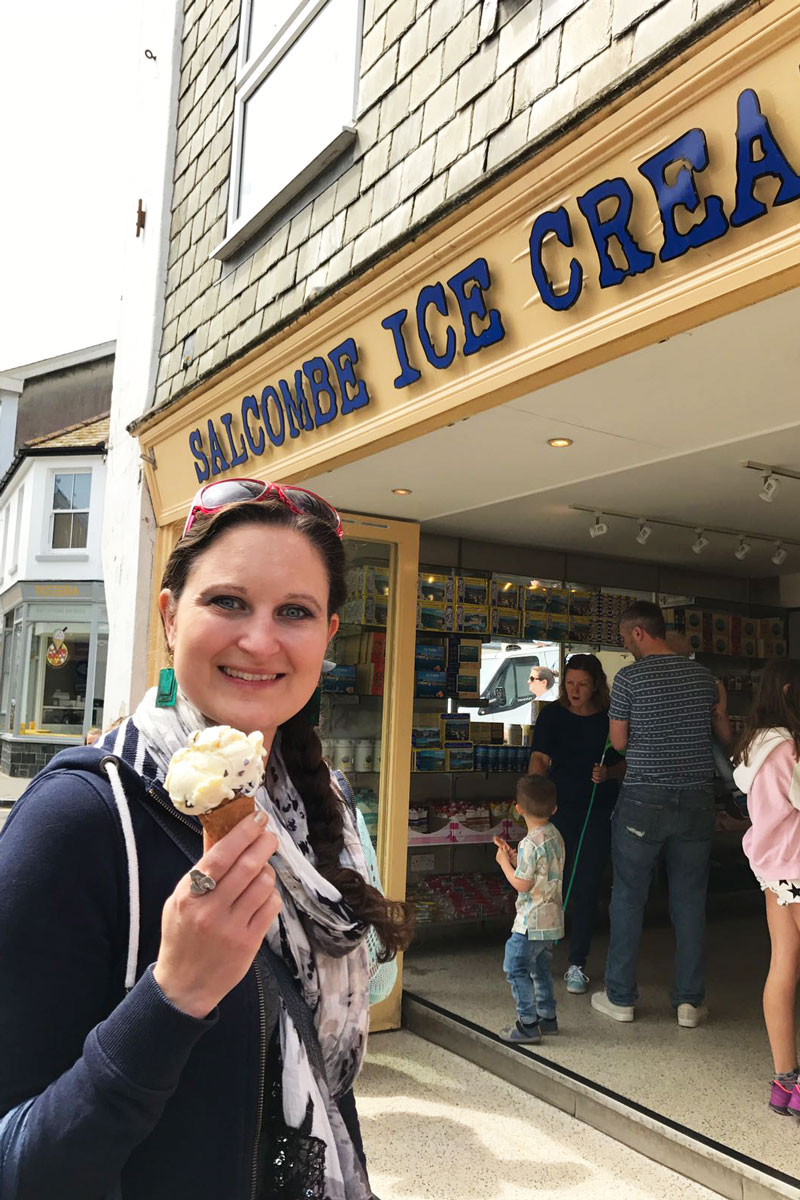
x=196, y=447
x=556, y=222
x=433, y=296
x=218, y=461
x=603, y=229
x=297, y=413
x=344, y=357
x=751, y=127
x=691, y=148
x=250, y=408
x=316, y=372
x=394, y=323
x=276, y=436
x=472, y=306
x=237, y=456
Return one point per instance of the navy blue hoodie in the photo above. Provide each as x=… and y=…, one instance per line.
x=107, y=1096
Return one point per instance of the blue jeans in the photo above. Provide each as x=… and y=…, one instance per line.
x=647, y=820
x=527, y=968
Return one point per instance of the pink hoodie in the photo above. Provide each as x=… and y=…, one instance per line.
x=771, y=779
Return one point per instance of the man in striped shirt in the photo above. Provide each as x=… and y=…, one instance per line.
x=664, y=713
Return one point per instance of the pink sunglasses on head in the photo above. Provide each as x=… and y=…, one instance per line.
x=214, y=496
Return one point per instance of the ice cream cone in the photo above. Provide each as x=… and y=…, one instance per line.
x=221, y=820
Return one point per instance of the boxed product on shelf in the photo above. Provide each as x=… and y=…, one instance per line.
x=370, y=678
x=434, y=618
x=430, y=684
x=770, y=629
x=504, y=593
x=498, y=811
x=453, y=727
x=468, y=685
x=342, y=680
x=424, y=736
x=476, y=817
x=418, y=818
x=751, y=627
x=557, y=626
x=429, y=656
x=428, y=759
x=367, y=581
x=506, y=622
x=580, y=602
x=558, y=600
x=535, y=625
x=465, y=651
x=471, y=589
x=365, y=610
x=721, y=625
x=435, y=587
x=459, y=758
x=580, y=627
x=771, y=648
x=534, y=597
x=472, y=618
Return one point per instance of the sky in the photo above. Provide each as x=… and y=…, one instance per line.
x=66, y=203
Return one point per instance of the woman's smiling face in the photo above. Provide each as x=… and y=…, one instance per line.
x=250, y=628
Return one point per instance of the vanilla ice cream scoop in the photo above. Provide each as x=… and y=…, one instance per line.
x=218, y=764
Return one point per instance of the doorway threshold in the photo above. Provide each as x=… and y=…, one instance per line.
x=717, y=1167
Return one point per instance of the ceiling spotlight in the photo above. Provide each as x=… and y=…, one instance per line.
x=401, y=491
x=599, y=527
x=781, y=554
x=701, y=542
x=644, y=532
x=770, y=488
x=743, y=550
x=559, y=443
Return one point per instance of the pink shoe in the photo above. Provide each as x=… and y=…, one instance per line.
x=794, y=1101
x=781, y=1097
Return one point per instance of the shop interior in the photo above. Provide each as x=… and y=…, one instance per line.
x=679, y=481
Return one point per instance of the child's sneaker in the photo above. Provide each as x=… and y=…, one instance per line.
x=577, y=980
x=781, y=1097
x=522, y=1035
x=548, y=1024
x=794, y=1101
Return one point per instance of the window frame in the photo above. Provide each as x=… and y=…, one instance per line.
x=250, y=74
x=67, y=551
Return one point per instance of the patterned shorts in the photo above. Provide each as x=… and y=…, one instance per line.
x=787, y=890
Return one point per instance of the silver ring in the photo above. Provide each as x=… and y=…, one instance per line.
x=201, y=883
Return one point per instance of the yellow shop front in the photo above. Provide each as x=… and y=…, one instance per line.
x=603, y=343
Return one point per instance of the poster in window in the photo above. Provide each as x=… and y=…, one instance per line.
x=57, y=652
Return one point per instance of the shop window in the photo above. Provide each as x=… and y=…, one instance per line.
x=57, y=679
x=298, y=57
x=69, y=522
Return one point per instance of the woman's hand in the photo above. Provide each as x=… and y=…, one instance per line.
x=208, y=942
x=599, y=773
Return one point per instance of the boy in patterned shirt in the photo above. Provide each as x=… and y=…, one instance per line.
x=535, y=870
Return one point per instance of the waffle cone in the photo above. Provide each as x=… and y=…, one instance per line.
x=222, y=819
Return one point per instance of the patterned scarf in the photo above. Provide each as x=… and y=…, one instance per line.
x=316, y=934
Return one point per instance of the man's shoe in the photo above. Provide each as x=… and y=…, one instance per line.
x=577, y=980
x=617, y=1012
x=691, y=1015
x=548, y=1024
x=521, y=1035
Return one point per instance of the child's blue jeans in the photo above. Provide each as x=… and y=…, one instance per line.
x=527, y=968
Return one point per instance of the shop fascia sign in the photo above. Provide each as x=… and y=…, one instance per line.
x=327, y=389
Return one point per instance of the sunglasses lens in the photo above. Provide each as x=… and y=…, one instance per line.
x=313, y=505
x=231, y=491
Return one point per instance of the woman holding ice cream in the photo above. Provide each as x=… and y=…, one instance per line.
x=180, y=1021
x=768, y=770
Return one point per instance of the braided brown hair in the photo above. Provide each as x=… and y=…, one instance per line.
x=392, y=920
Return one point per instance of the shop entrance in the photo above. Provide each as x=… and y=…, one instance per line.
x=657, y=496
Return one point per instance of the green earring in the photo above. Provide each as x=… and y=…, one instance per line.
x=167, y=691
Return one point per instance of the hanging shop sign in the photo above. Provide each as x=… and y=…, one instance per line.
x=57, y=652
x=661, y=216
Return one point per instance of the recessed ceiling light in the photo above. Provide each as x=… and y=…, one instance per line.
x=559, y=443
x=401, y=491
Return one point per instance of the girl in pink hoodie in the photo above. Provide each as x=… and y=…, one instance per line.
x=768, y=770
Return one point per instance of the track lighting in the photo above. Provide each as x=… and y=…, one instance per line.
x=699, y=545
x=599, y=527
x=781, y=554
x=769, y=489
x=644, y=532
x=743, y=550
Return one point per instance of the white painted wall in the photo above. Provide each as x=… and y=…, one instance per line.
x=129, y=532
x=32, y=486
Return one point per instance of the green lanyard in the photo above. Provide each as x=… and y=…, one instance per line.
x=606, y=748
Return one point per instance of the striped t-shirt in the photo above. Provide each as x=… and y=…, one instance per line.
x=667, y=700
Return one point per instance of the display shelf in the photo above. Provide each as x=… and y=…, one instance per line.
x=456, y=834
